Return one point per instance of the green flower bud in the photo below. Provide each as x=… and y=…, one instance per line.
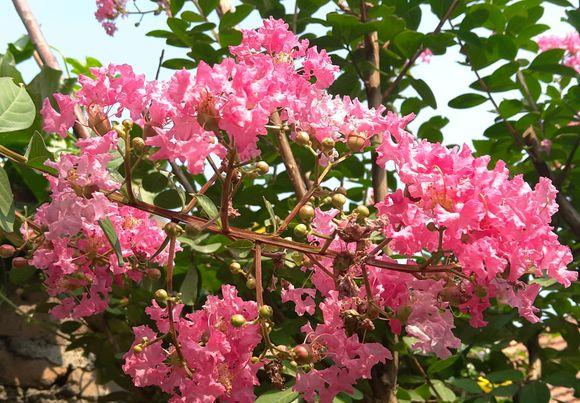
x=238, y=320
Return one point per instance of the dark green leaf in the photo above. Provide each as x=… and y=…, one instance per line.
x=534, y=392
x=425, y=92
x=467, y=101
x=207, y=206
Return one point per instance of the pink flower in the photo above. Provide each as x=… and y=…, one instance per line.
x=108, y=11
x=302, y=297
x=216, y=353
x=58, y=122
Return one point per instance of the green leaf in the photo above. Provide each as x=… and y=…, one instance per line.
x=505, y=375
x=510, y=107
x=111, y=234
x=426, y=94
x=552, y=56
x=7, y=211
x=231, y=19
x=467, y=101
x=278, y=396
x=240, y=248
x=270, y=209
x=443, y=391
x=190, y=16
x=46, y=83
x=440, y=365
x=8, y=68
x=534, y=392
x=36, y=152
x=169, y=199
x=207, y=206
x=178, y=64
x=207, y=6
x=468, y=385
x=408, y=42
x=190, y=286
x=17, y=110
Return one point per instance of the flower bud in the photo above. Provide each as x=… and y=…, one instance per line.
x=328, y=144
x=235, y=267
x=341, y=190
x=7, y=251
x=255, y=360
x=301, y=230
x=355, y=142
x=265, y=312
x=362, y=211
x=137, y=348
x=302, y=354
x=302, y=138
x=153, y=274
x=431, y=226
x=173, y=229
x=127, y=125
x=19, y=262
x=338, y=200
x=238, y=320
x=98, y=120
x=306, y=213
x=327, y=200
x=161, y=296
x=262, y=167
x=138, y=144
x=251, y=283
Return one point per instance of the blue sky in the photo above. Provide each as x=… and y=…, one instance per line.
x=70, y=27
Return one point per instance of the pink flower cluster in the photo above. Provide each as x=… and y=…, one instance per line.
x=217, y=354
x=185, y=116
x=496, y=227
x=73, y=252
x=351, y=358
x=569, y=42
x=108, y=11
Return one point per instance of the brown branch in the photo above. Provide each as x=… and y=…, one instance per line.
x=226, y=189
x=45, y=55
x=288, y=158
x=375, y=99
x=178, y=172
x=258, y=274
x=169, y=285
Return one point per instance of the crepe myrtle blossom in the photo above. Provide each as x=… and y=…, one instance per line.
x=216, y=353
x=463, y=233
x=108, y=11
x=73, y=252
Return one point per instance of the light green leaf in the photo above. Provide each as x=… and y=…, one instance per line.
x=111, y=234
x=36, y=152
x=207, y=206
x=7, y=212
x=17, y=110
x=273, y=219
x=278, y=396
